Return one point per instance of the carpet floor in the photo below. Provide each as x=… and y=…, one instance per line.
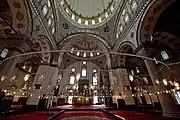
x=33, y=116
x=133, y=115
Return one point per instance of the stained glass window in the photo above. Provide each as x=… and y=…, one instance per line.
x=4, y=53
x=49, y=3
x=164, y=55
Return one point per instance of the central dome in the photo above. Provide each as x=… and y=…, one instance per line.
x=88, y=12
x=89, y=8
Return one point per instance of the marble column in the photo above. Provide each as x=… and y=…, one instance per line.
x=170, y=109
x=107, y=86
x=123, y=80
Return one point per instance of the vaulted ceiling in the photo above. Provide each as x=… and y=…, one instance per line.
x=169, y=20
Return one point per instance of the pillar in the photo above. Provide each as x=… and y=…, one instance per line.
x=106, y=88
x=44, y=83
x=7, y=68
x=170, y=109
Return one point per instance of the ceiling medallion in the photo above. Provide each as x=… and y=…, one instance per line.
x=88, y=12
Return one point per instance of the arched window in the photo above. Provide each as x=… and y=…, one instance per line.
x=84, y=72
x=45, y=10
x=53, y=30
x=91, y=54
x=72, y=50
x=84, y=55
x=78, y=76
x=78, y=53
x=49, y=3
x=30, y=69
x=72, y=79
x=94, y=80
x=164, y=55
x=4, y=53
x=94, y=76
x=126, y=18
x=49, y=21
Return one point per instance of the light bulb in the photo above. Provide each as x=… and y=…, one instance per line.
x=165, y=82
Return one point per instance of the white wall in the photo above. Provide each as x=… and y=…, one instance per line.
x=120, y=79
x=78, y=65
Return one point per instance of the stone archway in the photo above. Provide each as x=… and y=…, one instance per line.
x=125, y=47
x=77, y=37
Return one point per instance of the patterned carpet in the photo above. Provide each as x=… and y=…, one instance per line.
x=133, y=115
x=86, y=115
x=33, y=116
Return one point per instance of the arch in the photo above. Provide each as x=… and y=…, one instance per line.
x=105, y=44
x=149, y=19
x=125, y=47
x=66, y=38
x=127, y=43
x=44, y=46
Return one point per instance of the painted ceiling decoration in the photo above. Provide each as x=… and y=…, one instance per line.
x=88, y=12
x=169, y=39
x=79, y=44
x=20, y=15
x=44, y=46
x=128, y=17
x=151, y=18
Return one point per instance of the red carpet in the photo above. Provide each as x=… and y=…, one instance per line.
x=84, y=116
x=133, y=115
x=33, y=116
x=79, y=107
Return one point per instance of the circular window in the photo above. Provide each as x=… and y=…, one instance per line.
x=84, y=62
x=94, y=70
x=73, y=69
